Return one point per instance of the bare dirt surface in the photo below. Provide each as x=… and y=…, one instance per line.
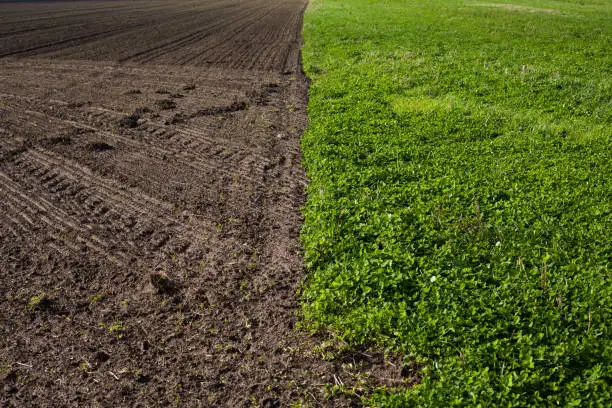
x=150, y=188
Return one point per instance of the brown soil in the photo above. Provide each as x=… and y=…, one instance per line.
x=149, y=222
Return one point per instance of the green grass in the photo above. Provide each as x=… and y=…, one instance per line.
x=460, y=200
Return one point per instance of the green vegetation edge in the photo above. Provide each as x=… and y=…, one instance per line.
x=460, y=204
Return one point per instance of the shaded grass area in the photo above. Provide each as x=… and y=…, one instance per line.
x=460, y=202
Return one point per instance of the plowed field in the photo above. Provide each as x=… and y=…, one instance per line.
x=151, y=185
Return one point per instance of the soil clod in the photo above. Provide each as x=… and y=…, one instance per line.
x=163, y=284
x=99, y=146
x=129, y=121
x=166, y=104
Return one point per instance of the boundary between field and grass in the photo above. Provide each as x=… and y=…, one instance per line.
x=460, y=200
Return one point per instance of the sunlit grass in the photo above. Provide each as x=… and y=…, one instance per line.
x=460, y=202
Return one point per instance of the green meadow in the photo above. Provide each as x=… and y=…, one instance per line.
x=460, y=202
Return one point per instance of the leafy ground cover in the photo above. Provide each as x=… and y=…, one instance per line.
x=460, y=202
